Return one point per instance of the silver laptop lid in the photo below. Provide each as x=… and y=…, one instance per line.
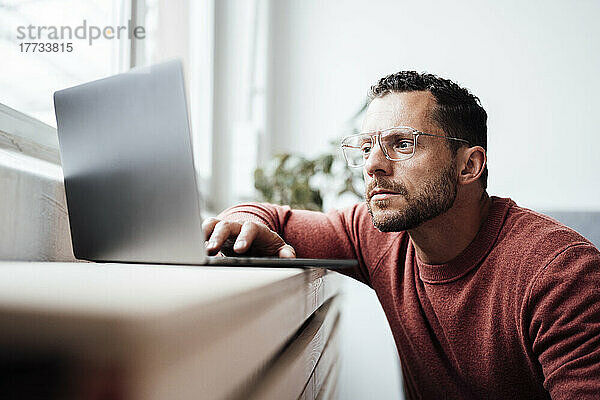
x=128, y=168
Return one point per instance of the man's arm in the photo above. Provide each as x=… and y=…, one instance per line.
x=564, y=330
x=260, y=229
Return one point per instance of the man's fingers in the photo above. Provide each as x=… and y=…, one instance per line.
x=208, y=225
x=287, y=251
x=223, y=235
x=247, y=234
x=221, y=232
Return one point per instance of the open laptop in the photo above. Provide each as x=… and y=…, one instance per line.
x=129, y=173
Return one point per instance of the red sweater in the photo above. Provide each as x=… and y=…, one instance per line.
x=515, y=315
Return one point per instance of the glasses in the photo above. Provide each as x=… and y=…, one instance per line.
x=398, y=144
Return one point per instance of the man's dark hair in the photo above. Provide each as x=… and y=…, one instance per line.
x=458, y=112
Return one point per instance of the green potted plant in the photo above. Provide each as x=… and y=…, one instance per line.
x=303, y=182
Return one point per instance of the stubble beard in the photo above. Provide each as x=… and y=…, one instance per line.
x=434, y=198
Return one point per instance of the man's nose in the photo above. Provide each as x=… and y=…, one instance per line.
x=377, y=163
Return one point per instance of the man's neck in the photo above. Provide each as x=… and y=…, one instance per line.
x=444, y=237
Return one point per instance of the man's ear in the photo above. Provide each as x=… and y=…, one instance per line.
x=473, y=164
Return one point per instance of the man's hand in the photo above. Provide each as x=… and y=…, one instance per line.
x=252, y=238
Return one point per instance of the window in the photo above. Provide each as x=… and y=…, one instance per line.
x=172, y=29
x=28, y=78
x=224, y=53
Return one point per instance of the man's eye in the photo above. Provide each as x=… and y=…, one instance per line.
x=403, y=144
x=365, y=148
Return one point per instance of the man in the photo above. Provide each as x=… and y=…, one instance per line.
x=485, y=299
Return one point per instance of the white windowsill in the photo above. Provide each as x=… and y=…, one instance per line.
x=24, y=134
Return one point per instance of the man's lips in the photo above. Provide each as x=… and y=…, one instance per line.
x=380, y=194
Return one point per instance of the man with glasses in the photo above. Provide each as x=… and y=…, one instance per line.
x=485, y=299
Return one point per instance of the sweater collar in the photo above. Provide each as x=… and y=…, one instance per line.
x=475, y=252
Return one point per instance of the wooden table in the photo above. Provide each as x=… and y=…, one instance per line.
x=123, y=331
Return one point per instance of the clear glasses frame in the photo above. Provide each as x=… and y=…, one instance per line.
x=375, y=137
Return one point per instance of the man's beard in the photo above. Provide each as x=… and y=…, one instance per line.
x=434, y=198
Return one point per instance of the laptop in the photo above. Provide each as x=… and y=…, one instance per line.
x=129, y=173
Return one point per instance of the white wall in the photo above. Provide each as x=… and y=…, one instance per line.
x=370, y=367
x=533, y=64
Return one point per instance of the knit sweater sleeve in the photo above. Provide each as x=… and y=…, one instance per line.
x=311, y=234
x=564, y=329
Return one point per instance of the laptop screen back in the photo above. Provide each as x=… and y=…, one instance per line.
x=128, y=168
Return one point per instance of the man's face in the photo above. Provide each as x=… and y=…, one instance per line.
x=401, y=195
